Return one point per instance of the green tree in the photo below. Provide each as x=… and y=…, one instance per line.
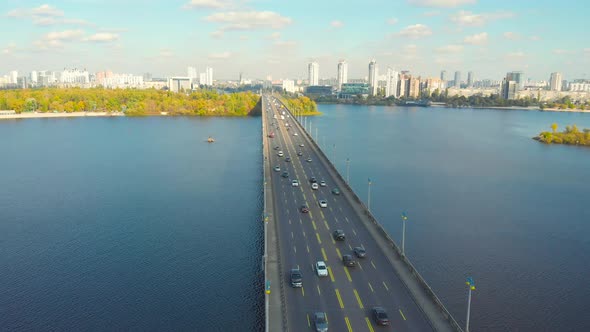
x=554, y=127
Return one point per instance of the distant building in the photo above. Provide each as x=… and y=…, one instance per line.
x=203, y=79
x=391, y=79
x=147, y=77
x=579, y=86
x=443, y=75
x=351, y=90
x=313, y=71
x=509, y=89
x=289, y=86
x=342, y=73
x=209, y=75
x=433, y=84
x=470, y=79
x=319, y=90
x=516, y=76
x=373, y=73
x=34, y=77
x=555, y=82
x=74, y=76
x=178, y=84
x=14, y=77
x=457, y=82
x=191, y=72
x=413, y=87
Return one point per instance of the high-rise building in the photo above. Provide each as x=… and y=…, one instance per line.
x=457, y=82
x=373, y=73
x=34, y=77
x=209, y=76
x=555, y=82
x=147, y=77
x=14, y=77
x=289, y=85
x=313, y=70
x=413, y=87
x=342, y=73
x=509, y=88
x=443, y=75
x=191, y=72
x=516, y=76
x=470, y=79
x=391, y=83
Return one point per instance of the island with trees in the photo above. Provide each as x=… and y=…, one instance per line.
x=570, y=136
x=131, y=102
x=300, y=105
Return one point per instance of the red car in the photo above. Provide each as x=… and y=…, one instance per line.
x=304, y=209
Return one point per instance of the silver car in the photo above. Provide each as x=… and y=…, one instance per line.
x=320, y=321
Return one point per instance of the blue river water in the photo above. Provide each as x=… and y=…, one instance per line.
x=483, y=200
x=114, y=224
x=137, y=224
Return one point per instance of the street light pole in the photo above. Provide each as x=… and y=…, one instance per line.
x=316, y=133
x=347, y=171
x=369, y=196
x=334, y=154
x=471, y=284
x=404, y=218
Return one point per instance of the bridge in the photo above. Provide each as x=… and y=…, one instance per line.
x=298, y=240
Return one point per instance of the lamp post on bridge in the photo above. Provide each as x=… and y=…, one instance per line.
x=404, y=218
x=471, y=284
x=347, y=171
x=369, y=196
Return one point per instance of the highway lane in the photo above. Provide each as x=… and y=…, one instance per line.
x=349, y=293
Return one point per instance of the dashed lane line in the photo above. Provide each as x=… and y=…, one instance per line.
x=371, y=288
x=347, y=274
x=339, y=299
x=366, y=319
x=401, y=313
x=373, y=265
x=331, y=274
x=348, y=324
x=324, y=255
x=358, y=299
x=339, y=254
x=384, y=284
x=318, y=237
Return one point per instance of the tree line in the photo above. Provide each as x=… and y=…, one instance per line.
x=571, y=136
x=131, y=101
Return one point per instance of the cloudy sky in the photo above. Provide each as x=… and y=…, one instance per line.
x=279, y=37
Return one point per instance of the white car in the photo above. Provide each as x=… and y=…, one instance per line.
x=321, y=269
x=322, y=183
x=277, y=169
x=301, y=145
x=308, y=160
x=295, y=183
x=295, y=134
x=315, y=186
x=323, y=203
x=280, y=154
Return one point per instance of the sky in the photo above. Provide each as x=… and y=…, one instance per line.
x=280, y=37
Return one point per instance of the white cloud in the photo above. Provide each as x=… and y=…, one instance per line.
x=102, y=37
x=562, y=51
x=206, y=4
x=467, y=18
x=511, y=35
x=56, y=39
x=217, y=34
x=165, y=53
x=477, y=39
x=220, y=56
x=431, y=13
x=46, y=15
x=9, y=49
x=415, y=31
x=249, y=20
x=587, y=50
x=392, y=21
x=535, y=38
x=285, y=43
x=336, y=24
x=275, y=35
x=440, y=3
x=450, y=49
x=519, y=54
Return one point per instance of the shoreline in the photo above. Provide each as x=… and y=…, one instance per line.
x=60, y=115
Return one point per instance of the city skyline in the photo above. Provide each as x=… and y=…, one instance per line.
x=279, y=39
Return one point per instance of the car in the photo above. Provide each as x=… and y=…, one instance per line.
x=323, y=203
x=314, y=186
x=308, y=160
x=339, y=235
x=347, y=260
x=321, y=269
x=277, y=169
x=296, y=278
x=277, y=147
x=301, y=145
x=304, y=209
x=295, y=183
x=313, y=179
x=288, y=159
x=295, y=134
x=280, y=154
x=320, y=321
x=359, y=252
x=322, y=183
x=300, y=153
x=285, y=174
x=335, y=191
x=380, y=316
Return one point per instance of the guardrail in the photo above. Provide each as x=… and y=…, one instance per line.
x=443, y=310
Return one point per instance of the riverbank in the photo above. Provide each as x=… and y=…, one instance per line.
x=37, y=115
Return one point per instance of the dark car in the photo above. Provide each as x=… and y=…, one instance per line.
x=287, y=159
x=359, y=252
x=277, y=147
x=347, y=260
x=285, y=174
x=300, y=153
x=296, y=278
x=313, y=179
x=304, y=209
x=320, y=322
x=380, y=316
x=339, y=235
x=335, y=191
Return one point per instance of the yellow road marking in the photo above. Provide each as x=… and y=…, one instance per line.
x=384, y=284
x=333, y=242
x=401, y=313
x=331, y=209
x=366, y=319
x=373, y=265
x=303, y=233
x=319, y=291
x=305, y=199
x=326, y=224
x=314, y=198
x=307, y=249
x=310, y=215
x=358, y=299
x=331, y=274
x=339, y=299
x=371, y=287
x=347, y=274
x=308, y=322
x=322, y=213
x=324, y=255
x=318, y=236
x=338, y=252
x=348, y=324
x=314, y=226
